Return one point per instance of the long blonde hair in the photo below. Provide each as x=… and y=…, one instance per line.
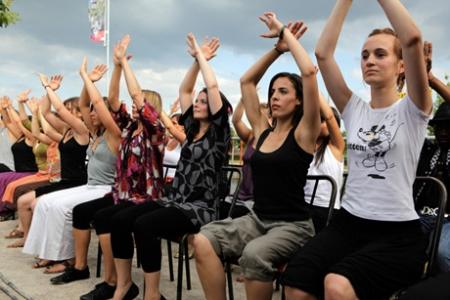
x=154, y=99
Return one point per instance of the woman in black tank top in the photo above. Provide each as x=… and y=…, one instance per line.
x=280, y=223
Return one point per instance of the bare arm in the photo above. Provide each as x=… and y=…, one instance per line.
x=187, y=87
x=35, y=128
x=325, y=48
x=11, y=126
x=173, y=129
x=250, y=98
x=435, y=83
x=441, y=88
x=51, y=132
x=337, y=142
x=97, y=100
x=76, y=124
x=21, y=99
x=308, y=129
x=114, y=88
x=14, y=116
x=212, y=87
x=186, y=90
x=242, y=130
x=412, y=49
x=54, y=121
x=85, y=110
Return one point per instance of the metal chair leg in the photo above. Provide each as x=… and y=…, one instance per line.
x=170, y=258
x=180, y=271
x=186, y=262
x=229, y=280
x=99, y=261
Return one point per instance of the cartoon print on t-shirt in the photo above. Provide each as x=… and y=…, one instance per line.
x=379, y=140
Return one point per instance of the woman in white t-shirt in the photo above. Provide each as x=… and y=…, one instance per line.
x=374, y=245
x=328, y=160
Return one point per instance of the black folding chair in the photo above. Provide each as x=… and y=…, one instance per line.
x=234, y=260
x=435, y=234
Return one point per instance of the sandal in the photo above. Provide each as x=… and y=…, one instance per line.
x=17, y=244
x=15, y=234
x=58, y=267
x=43, y=263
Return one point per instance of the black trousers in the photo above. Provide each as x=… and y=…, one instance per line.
x=149, y=222
x=83, y=214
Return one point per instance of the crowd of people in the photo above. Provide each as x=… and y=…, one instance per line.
x=90, y=163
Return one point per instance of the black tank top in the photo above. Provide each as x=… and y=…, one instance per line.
x=279, y=178
x=73, y=160
x=24, y=160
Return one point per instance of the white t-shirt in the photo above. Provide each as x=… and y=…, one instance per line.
x=383, y=148
x=332, y=167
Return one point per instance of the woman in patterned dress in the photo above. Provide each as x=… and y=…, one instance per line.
x=191, y=202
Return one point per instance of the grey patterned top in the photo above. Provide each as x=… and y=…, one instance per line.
x=196, y=181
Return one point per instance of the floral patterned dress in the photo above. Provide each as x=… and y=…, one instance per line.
x=139, y=168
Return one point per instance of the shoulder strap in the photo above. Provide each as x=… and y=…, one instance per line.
x=262, y=138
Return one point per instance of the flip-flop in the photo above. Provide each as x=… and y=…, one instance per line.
x=58, y=267
x=15, y=234
x=43, y=263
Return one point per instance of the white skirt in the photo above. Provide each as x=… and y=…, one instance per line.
x=50, y=236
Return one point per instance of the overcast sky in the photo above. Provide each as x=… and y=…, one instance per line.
x=53, y=36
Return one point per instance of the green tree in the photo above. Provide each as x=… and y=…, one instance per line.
x=7, y=17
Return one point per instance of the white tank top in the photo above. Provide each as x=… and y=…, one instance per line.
x=332, y=167
x=171, y=157
x=6, y=155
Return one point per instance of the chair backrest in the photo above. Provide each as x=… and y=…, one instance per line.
x=333, y=193
x=436, y=232
x=230, y=174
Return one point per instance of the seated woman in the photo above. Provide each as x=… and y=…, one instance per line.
x=328, y=160
x=281, y=222
x=58, y=244
x=374, y=244
x=72, y=147
x=24, y=150
x=194, y=193
x=8, y=136
x=139, y=171
x=45, y=151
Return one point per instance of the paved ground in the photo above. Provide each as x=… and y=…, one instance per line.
x=19, y=281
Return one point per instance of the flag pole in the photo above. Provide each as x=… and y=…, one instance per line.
x=106, y=42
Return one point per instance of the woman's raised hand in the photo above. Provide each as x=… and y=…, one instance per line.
x=23, y=96
x=55, y=81
x=193, y=47
x=272, y=23
x=298, y=28
x=120, y=49
x=33, y=104
x=209, y=47
x=44, y=80
x=96, y=74
x=5, y=102
x=428, y=55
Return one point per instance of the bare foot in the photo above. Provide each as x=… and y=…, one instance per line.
x=17, y=244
